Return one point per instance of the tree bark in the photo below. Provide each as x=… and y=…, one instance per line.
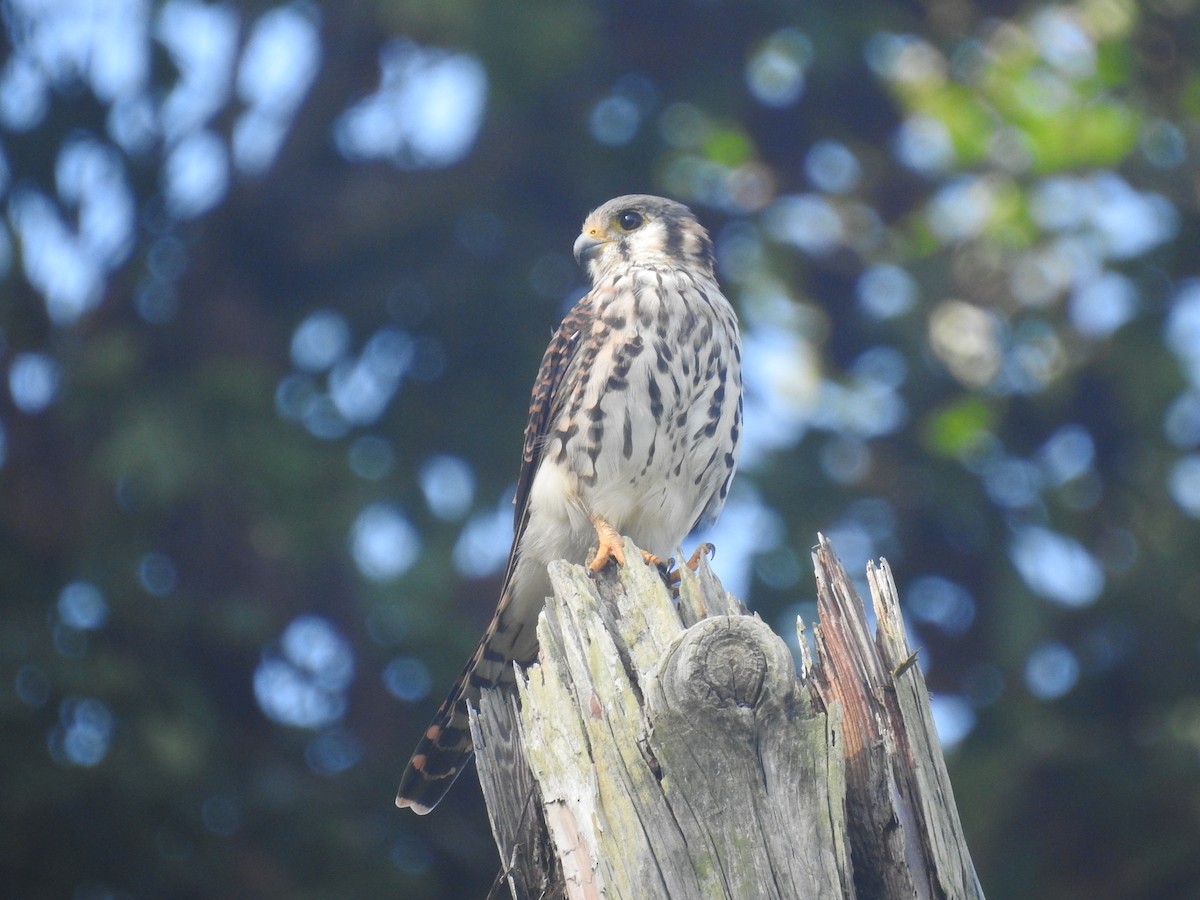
x=663, y=750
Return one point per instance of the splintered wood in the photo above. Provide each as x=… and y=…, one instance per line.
x=671, y=750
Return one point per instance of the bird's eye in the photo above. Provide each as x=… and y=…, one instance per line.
x=629, y=220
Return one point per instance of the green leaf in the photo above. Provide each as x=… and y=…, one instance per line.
x=958, y=430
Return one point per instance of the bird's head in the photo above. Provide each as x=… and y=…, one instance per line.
x=642, y=230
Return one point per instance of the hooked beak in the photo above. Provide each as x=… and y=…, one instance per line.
x=586, y=248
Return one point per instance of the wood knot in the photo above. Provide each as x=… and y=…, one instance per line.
x=727, y=663
x=733, y=668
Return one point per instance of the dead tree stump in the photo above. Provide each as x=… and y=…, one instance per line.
x=664, y=750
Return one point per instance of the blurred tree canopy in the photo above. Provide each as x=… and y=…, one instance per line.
x=274, y=283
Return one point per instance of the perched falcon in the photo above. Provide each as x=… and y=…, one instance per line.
x=633, y=429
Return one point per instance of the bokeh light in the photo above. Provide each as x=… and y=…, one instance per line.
x=483, y=544
x=426, y=113
x=195, y=175
x=831, y=167
x=320, y=340
x=278, y=65
x=157, y=573
x=953, y=717
x=1051, y=671
x=449, y=486
x=407, y=678
x=383, y=542
x=333, y=752
x=84, y=732
x=81, y=605
x=1056, y=566
x=775, y=73
x=941, y=602
x=33, y=381
x=302, y=681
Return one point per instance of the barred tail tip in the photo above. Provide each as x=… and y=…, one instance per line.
x=420, y=809
x=422, y=789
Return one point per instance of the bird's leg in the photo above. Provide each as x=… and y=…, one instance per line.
x=693, y=563
x=610, y=546
x=705, y=549
x=657, y=561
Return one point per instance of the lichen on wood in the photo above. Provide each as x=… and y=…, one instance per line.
x=665, y=746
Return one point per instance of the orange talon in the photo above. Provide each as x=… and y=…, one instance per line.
x=703, y=550
x=611, y=547
x=651, y=560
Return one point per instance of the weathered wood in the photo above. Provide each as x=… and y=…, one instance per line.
x=939, y=828
x=530, y=866
x=904, y=827
x=649, y=759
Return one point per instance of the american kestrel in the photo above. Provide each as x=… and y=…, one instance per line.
x=633, y=430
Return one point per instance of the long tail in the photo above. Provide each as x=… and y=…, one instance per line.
x=446, y=747
x=443, y=751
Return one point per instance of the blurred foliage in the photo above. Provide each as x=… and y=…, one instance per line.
x=268, y=332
